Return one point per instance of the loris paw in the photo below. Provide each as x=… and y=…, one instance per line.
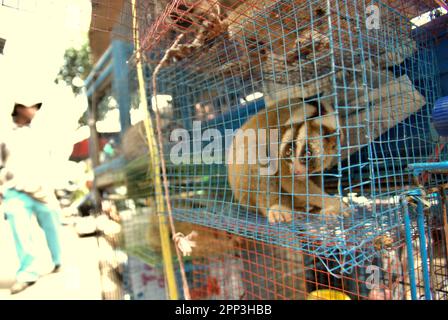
x=335, y=208
x=279, y=213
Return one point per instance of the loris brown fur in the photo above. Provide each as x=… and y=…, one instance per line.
x=307, y=145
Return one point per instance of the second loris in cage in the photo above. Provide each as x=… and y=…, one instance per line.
x=303, y=148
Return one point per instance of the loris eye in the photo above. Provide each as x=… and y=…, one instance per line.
x=289, y=151
x=306, y=155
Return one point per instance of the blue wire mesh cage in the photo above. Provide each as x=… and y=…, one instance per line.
x=343, y=91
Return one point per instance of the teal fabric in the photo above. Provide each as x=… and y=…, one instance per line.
x=19, y=209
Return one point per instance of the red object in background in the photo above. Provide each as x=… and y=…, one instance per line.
x=81, y=149
x=206, y=291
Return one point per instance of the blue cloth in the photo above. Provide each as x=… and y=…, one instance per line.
x=19, y=209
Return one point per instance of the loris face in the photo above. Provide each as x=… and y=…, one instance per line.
x=308, y=148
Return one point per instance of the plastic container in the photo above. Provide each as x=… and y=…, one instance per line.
x=327, y=294
x=440, y=116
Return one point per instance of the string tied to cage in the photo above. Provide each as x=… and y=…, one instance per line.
x=185, y=243
x=412, y=197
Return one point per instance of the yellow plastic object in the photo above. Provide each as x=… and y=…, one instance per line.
x=327, y=294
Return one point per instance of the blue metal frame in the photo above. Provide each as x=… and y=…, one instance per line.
x=410, y=251
x=98, y=66
x=100, y=80
x=417, y=194
x=423, y=249
x=113, y=65
x=418, y=168
x=121, y=51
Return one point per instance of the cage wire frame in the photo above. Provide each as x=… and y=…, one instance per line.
x=255, y=270
x=243, y=269
x=186, y=75
x=225, y=266
x=223, y=88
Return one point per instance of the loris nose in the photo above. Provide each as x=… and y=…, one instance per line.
x=299, y=169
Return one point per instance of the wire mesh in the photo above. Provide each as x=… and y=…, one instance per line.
x=351, y=101
x=254, y=270
x=227, y=267
x=362, y=94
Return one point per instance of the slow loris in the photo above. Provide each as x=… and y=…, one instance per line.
x=307, y=144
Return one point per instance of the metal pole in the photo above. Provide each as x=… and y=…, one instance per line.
x=423, y=249
x=409, y=250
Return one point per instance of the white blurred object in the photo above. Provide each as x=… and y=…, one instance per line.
x=36, y=41
x=85, y=225
x=353, y=198
x=185, y=243
x=111, y=122
x=72, y=277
